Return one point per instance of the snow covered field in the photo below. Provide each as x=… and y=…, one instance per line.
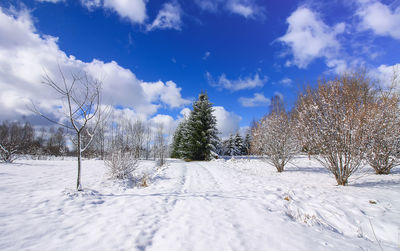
x=217, y=205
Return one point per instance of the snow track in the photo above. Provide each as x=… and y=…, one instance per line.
x=217, y=205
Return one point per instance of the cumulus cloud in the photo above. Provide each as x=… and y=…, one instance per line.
x=238, y=84
x=133, y=10
x=227, y=122
x=169, y=17
x=308, y=38
x=168, y=93
x=166, y=121
x=379, y=18
x=245, y=8
x=385, y=74
x=257, y=100
x=25, y=56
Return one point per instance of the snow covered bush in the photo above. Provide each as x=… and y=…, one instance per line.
x=121, y=164
x=7, y=155
x=383, y=150
x=333, y=122
x=274, y=138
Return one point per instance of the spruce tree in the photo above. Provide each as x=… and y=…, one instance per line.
x=201, y=137
x=230, y=146
x=246, y=144
x=238, y=149
x=177, y=141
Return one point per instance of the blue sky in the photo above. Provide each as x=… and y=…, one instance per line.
x=242, y=52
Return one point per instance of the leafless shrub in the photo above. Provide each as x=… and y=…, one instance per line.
x=333, y=121
x=122, y=158
x=273, y=138
x=121, y=164
x=383, y=150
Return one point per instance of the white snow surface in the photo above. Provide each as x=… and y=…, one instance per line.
x=215, y=205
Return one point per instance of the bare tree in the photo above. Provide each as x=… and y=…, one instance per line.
x=100, y=138
x=138, y=133
x=148, y=138
x=160, y=145
x=383, y=151
x=273, y=138
x=82, y=104
x=332, y=120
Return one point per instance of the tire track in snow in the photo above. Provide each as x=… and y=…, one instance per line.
x=246, y=209
x=155, y=219
x=199, y=218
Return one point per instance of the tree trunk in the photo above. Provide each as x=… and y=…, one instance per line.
x=78, y=181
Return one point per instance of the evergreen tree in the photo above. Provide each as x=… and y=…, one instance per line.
x=230, y=146
x=200, y=138
x=220, y=147
x=238, y=145
x=246, y=144
x=176, y=141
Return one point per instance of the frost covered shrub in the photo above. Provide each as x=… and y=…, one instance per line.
x=274, y=138
x=333, y=120
x=384, y=138
x=121, y=164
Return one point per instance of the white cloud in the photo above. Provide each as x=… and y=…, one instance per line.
x=50, y=1
x=166, y=121
x=227, y=122
x=169, y=17
x=309, y=37
x=168, y=93
x=238, y=84
x=337, y=65
x=90, y=4
x=241, y=8
x=24, y=55
x=379, y=18
x=133, y=10
x=206, y=55
x=385, y=74
x=286, y=81
x=208, y=5
x=185, y=112
x=245, y=8
x=257, y=100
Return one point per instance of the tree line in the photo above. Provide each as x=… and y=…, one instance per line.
x=17, y=138
x=90, y=126
x=342, y=122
